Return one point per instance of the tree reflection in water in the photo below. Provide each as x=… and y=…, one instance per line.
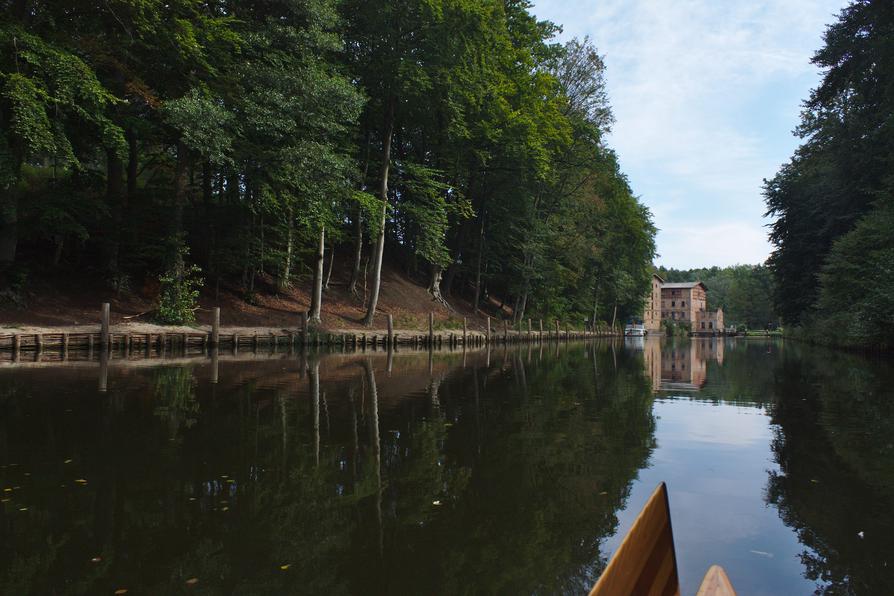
x=503, y=471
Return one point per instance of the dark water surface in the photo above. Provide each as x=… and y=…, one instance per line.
x=511, y=472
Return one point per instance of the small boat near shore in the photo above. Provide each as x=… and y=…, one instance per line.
x=646, y=561
x=635, y=330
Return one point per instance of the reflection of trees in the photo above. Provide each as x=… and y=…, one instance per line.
x=833, y=445
x=528, y=462
x=529, y=511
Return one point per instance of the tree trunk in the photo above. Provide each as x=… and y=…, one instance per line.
x=358, y=252
x=133, y=160
x=614, y=315
x=329, y=270
x=477, y=299
x=316, y=299
x=180, y=184
x=114, y=198
x=284, y=280
x=523, y=305
x=434, y=285
x=9, y=223
x=383, y=196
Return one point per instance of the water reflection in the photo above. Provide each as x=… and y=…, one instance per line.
x=677, y=364
x=510, y=470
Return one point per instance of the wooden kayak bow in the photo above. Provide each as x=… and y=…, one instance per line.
x=646, y=562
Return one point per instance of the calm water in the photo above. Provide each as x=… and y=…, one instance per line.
x=508, y=472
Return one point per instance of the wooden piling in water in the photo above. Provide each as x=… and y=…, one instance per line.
x=215, y=327
x=104, y=326
x=390, y=329
x=431, y=329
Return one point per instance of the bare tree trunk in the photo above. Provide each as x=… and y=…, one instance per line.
x=383, y=196
x=434, y=285
x=317, y=295
x=329, y=270
x=358, y=252
x=285, y=279
x=614, y=315
x=115, y=198
x=523, y=305
x=477, y=300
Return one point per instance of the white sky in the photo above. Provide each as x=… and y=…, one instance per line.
x=706, y=94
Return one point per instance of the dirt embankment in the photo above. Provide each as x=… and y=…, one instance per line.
x=73, y=301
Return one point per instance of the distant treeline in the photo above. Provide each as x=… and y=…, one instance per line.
x=834, y=201
x=744, y=292
x=209, y=143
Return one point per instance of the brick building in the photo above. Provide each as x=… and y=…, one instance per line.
x=681, y=303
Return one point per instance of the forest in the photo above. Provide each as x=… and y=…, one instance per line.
x=744, y=292
x=215, y=145
x=832, y=204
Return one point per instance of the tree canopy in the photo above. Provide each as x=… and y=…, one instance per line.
x=832, y=203
x=453, y=138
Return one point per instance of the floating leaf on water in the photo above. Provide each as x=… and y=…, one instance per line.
x=26, y=509
x=7, y=490
x=5, y=500
x=192, y=581
x=96, y=559
x=814, y=480
x=120, y=591
x=224, y=508
x=860, y=534
x=68, y=461
x=435, y=502
x=192, y=498
x=285, y=566
x=80, y=481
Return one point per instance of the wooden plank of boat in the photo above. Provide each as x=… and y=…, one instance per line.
x=646, y=562
x=716, y=583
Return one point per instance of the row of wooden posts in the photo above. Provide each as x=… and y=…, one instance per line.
x=303, y=336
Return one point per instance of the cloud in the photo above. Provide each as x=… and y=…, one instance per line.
x=705, y=95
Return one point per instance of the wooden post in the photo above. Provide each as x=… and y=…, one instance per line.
x=541, y=329
x=303, y=318
x=17, y=343
x=390, y=329
x=465, y=333
x=530, y=333
x=38, y=342
x=104, y=324
x=505, y=331
x=64, y=343
x=431, y=329
x=557, y=329
x=487, y=338
x=215, y=326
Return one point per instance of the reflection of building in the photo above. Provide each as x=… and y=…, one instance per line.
x=680, y=366
x=652, y=314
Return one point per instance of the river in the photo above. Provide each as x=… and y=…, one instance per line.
x=509, y=471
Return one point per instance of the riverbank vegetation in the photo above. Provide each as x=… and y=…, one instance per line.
x=275, y=142
x=744, y=292
x=833, y=203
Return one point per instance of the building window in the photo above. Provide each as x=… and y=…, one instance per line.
x=673, y=302
x=683, y=303
x=703, y=324
x=710, y=325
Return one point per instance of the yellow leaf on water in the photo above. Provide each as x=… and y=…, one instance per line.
x=435, y=502
x=285, y=567
x=81, y=481
x=23, y=509
x=192, y=581
x=224, y=508
x=7, y=490
x=68, y=461
x=120, y=591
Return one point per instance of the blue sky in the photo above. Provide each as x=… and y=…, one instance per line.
x=705, y=94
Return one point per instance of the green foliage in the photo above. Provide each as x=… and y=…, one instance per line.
x=838, y=182
x=180, y=287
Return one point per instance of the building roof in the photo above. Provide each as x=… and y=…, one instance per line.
x=684, y=285
x=661, y=279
